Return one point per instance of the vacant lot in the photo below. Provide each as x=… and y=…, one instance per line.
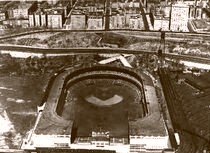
x=19, y=97
x=196, y=105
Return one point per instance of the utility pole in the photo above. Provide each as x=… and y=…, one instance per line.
x=107, y=13
x=161, y=49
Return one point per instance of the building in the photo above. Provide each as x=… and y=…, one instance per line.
x=52, y=1
x=78, y=22
x=122, y=4
x=166, y=11
x=195, y=12
x=65, y=6
x=144, y=143
x=140, y=129
x=199, y=12
x=37, y=18
x=161, y=23
x=43, y=20
x=198, y=25
x=192, y=12
x=130, y=13
x=2, y=28
x=55, y=19
x=95, y=22
x=161, y=17
x=202, y=3
x=179, y=17
x=17, y=23
x=50, y=14
x=117, y=21
x=86, y=15
x=117, y=5
x=125, y=14
x=57, y=6
x=21, y=10
x=2, y=16
x=190, y=2
x=31, y=20
x=20, y=14
x=136, y=22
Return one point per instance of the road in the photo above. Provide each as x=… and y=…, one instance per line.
x=129, y=32
x=70, y=51
x=149, y=35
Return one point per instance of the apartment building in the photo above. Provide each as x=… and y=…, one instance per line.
x=95, y=22
x=179, y=16
x=136, y=22
x=55, y=19
x=78, y=21
x=117, y=21
x=161, y=23
x=21, y=10
x=2, y=15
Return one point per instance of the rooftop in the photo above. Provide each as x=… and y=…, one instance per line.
x=62, y=4
x=77, y=12
x=98, y=14
x=18, y=5
x=200, y=24
x=24, y=5
x=55, y=12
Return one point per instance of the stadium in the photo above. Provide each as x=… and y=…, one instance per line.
x=98, y=108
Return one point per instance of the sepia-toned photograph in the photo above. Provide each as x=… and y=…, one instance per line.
x=105, y=76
